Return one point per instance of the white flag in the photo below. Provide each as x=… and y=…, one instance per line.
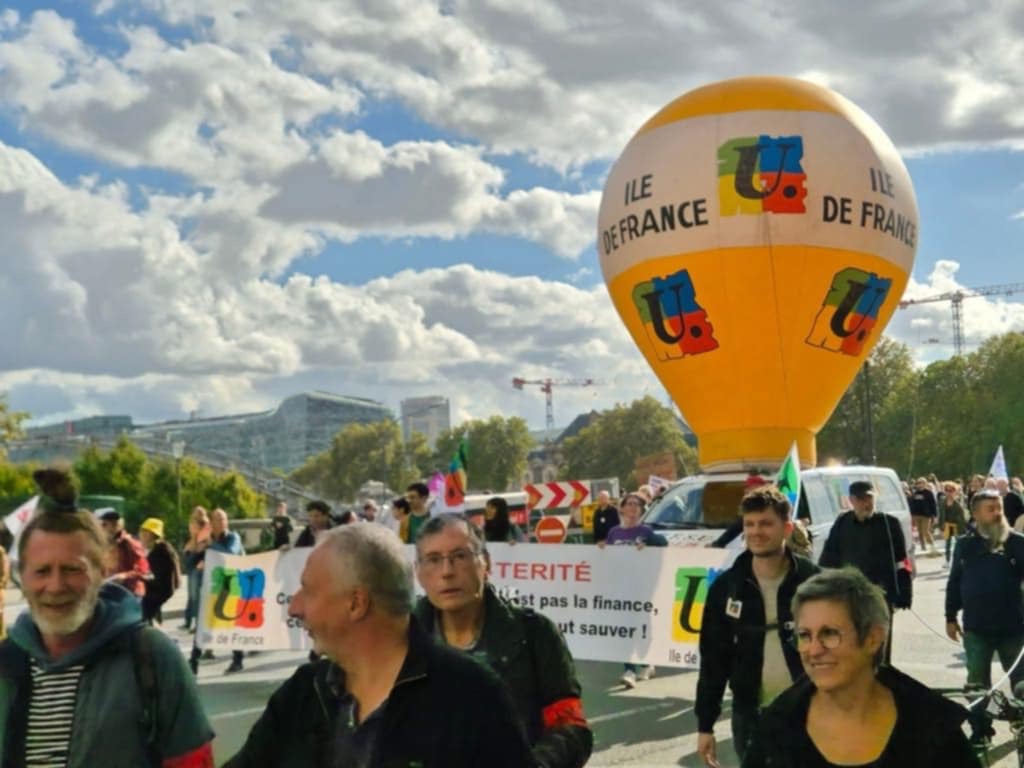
x=15, y=521
x=998, y=469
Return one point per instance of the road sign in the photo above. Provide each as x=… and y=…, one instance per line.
x=550, y=530
x=571, y=493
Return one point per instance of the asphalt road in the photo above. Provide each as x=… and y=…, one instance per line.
x=652, y=725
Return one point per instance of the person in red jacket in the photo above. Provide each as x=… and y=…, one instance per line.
x=126, y=559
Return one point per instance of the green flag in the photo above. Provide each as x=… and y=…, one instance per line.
x=788, y=479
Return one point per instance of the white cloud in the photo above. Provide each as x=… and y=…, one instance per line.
x=187, y=293
x=927, y=328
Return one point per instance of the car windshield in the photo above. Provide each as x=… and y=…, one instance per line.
x=697, y=504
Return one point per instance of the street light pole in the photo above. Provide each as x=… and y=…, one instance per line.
x=178, y=451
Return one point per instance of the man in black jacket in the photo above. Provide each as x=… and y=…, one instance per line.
x=319, y=514
x=747, y=628
x=525, y=648
x=873, y=543
x=985, y=583
x=384, y=694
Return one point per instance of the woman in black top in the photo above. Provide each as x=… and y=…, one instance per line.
x=498, y=527
x=850, y=710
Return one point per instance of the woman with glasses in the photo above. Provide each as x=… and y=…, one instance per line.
x=631, y=532
x=850, y=710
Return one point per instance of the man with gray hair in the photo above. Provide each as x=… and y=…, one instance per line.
x=462, y=610
x=382, y=693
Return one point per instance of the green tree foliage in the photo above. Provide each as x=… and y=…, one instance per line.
x=10, y=421
x=845, y=435
x=363, y=452
x=150, y=487
x=16, y=479
x=947, y=418
x=497, y=446
x=611, y=444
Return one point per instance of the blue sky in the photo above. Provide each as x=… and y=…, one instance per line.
x=210, y=205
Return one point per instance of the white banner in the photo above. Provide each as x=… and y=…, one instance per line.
x=612, y=604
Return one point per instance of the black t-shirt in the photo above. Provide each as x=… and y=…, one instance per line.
x=354, y=744
x=810, y=757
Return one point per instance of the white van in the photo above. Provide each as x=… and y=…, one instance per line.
x=696, y=510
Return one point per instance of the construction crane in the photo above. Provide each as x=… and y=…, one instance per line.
x=546, y=386
x=956, y=299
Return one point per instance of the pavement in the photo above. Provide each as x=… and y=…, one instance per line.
x=650, y=726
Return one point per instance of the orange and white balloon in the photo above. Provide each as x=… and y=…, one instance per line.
x=756, y=236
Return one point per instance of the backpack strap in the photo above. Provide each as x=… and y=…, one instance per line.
x=16, y=665
x=145, y=679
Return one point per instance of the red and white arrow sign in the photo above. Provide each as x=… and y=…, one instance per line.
x=571, y=493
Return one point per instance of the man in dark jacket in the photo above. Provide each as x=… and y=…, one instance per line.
x=747, y=627
x=606, y=516
x=525, y=648
x=985, y=583
x=873, y=543
x=383, y=694
x=319, y=514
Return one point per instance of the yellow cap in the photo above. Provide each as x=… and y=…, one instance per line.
x=154, y=525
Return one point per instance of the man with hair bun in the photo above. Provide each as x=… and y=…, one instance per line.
x=83, y=682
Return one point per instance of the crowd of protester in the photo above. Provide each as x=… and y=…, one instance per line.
x=805, y=647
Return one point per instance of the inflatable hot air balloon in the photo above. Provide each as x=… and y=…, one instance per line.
x=756, y=236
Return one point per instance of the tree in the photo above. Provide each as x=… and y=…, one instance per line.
x=363, y=452
x=497, y=449
x=615, y=439
x=16, y=479
x=150, y=487
x=845, y=435
x=10, y=421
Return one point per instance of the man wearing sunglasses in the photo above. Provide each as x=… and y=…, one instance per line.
x=747, y=628
x=462, y=610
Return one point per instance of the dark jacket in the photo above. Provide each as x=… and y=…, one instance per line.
x=307, y=537
x=163, y=564
x=922, y=503
x=732, y=648
x=927, y=733
x=877, y=548
x=530, y=655
x=445, y=711
x=604, y=520
x=108, y=721
x=987, y=585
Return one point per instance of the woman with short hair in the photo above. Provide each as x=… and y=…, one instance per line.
x=851, y=710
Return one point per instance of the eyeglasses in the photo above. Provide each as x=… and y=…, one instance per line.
x=829, y=638
x=459, y=558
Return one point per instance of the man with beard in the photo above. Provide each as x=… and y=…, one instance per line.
x=985, y=583
x=83, y=682
x=747, y=628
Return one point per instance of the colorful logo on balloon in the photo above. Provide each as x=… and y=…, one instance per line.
x=761, y=174
x=675, y=323
x=850, y=311
x=688, y=608
x=236, y=598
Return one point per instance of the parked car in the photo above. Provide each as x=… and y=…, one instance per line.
x=697, y=510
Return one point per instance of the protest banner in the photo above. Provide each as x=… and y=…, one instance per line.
x=650, y=616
